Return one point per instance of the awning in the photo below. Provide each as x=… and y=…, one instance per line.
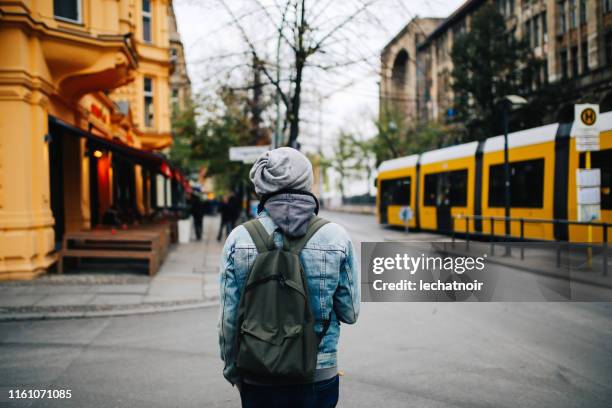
x=142, y=157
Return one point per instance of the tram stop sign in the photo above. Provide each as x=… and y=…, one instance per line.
x=586, y=129
x=405, y=214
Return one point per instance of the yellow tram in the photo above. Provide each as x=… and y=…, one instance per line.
x=442, y=186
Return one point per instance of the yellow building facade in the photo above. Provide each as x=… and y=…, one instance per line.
x=88, y=73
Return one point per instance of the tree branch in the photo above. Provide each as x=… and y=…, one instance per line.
x=253, y=49
x=279, y=28
x=338, y=27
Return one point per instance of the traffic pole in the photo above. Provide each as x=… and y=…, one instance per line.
x=589, y=227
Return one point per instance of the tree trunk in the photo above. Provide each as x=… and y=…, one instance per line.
x=294, y=117
x=300, y=60
x=256, y=106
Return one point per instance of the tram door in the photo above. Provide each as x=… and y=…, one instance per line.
x=445, y=190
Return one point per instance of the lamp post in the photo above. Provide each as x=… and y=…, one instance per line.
x=509, y=102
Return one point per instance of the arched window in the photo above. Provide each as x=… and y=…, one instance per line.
x=399, y=72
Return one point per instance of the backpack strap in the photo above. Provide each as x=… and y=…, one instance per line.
x=297, y=245
x=326, y=325
x=263, y=241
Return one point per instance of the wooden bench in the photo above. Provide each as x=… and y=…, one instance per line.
x=120, y=244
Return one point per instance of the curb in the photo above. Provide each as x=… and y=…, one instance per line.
x=357, y=210
x=112, y=310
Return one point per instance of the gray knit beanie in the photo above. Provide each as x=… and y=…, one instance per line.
x=281, y=168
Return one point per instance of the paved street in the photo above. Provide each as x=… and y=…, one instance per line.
x=398, y=355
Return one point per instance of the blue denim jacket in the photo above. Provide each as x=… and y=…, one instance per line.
x=333, y=283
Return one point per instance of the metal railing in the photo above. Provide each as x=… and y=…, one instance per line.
x=507, y=239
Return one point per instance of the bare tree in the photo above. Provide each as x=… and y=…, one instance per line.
x=311, y=36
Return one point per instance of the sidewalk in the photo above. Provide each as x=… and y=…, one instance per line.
x=354, y=209
x=187, y=279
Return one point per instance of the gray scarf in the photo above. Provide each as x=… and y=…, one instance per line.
x=291, y=213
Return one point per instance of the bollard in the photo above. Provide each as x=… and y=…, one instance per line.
x=522, y=239
x=453, y=234
x=492, y=233
x=605, y=249
x=507, y=236
x=467, y=233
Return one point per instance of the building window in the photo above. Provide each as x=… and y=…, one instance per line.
x=69, y=10
x=585, y=57
x=536, y=30
x=544, y=27
x=146, y=20
x=563, y=58
x=526, y=184
x=500, y=5
x=574, y=62
x=148, y=102
x=561, y=14
x=505, y=7
x=175, y=98
x=608, y=42
x=527, y=34
x=606, y=5
x=583, y=11
x=572, y=6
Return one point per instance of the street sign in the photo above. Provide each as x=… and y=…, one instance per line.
x=588, y=183
x=405, y=214
x=247, y=154
x=589, y=212
x=586, y=129
x=588, y=177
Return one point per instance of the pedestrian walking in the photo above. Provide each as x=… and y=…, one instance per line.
x=287, y=280
x=197, y=212
x=227, y=216
x=235, y=209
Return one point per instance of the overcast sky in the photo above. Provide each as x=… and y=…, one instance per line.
x=206, y=33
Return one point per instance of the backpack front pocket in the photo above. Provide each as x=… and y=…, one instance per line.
x=274, y=351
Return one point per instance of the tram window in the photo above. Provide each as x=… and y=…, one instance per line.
x=395, y=191
x=602, y=159
x=431, y=187
x=526, y=184
x=446, y=188
x=457, y=181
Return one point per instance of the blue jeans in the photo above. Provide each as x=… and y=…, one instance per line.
x=323, y=394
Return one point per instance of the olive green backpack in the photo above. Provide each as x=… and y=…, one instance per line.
x=277, y=342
